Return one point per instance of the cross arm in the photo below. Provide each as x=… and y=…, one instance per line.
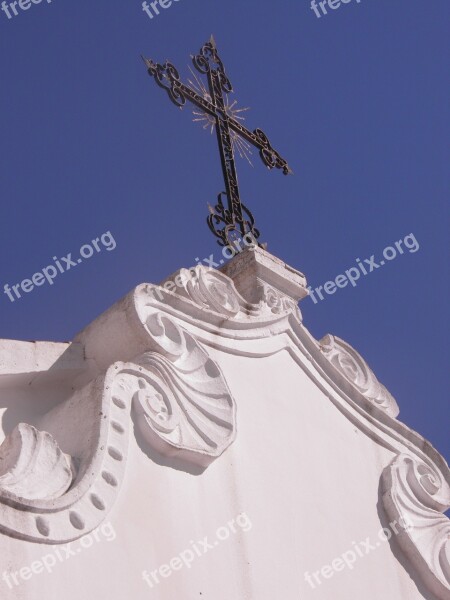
x=270, y=157
x=167, y=77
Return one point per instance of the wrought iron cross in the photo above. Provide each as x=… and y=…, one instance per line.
x=235, y=219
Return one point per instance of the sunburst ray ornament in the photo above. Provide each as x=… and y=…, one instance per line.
x=214, y=111
x=241, y=146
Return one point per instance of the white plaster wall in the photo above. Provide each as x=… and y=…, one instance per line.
x=306, y=477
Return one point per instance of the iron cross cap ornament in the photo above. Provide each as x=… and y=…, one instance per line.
x=235, y=220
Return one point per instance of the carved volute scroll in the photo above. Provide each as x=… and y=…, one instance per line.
x=183, y=408
x=354, y=368
x=183, y=405
x=213, y=290
x=419, y=494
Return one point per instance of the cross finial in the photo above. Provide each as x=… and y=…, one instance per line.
x=224, y=220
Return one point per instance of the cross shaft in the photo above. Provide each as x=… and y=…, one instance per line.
x=236, y=218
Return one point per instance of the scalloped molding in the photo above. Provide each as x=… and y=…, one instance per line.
x=95, y=433
x=32, y=465
x=183, y=404
x=183, y=408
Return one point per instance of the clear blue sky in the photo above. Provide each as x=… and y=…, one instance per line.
x=355, y=100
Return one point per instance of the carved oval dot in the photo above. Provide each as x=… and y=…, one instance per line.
x=76, y=520
x=43, y=526
x=114, y=453
x=211, y=369
x=97, y=502
x=117, y=427
x=109, y=478
x=119, y=402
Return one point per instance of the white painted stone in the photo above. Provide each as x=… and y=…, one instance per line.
x=32, y=466
x=21, y=363
x=197, y=406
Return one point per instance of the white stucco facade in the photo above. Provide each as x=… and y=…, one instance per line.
x=196, y=442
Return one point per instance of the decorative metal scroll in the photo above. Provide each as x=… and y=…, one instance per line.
x=233, y=219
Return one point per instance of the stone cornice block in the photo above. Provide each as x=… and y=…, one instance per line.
x=255, y=269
